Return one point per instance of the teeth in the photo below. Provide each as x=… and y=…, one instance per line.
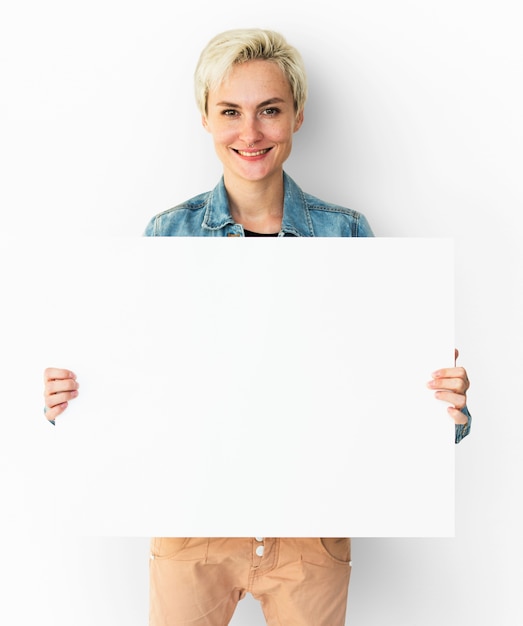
x=252, y=153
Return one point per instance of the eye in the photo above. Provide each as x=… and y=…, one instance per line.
x=229, y=112
x=271, y=111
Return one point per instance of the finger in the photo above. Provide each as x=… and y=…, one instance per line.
x=58, y=398
x=457, y=416
x=457, y=400
x=53, y=413
x=54, y=373
x=56, y=386
x=452, y=372
x=458, y=385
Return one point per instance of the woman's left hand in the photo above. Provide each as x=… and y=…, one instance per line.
x=451, y=386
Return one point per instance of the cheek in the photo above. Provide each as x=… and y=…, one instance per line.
x=281, y=133
x=284, y=141
x=223, y=136
x=220, y=133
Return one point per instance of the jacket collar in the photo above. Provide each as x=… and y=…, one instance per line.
x=296, y=217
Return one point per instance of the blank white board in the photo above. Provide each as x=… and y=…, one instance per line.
x=251, y=387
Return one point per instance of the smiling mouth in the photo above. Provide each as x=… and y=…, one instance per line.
x=252, y=154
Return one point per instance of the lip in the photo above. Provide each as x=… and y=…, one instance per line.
x=252, y=155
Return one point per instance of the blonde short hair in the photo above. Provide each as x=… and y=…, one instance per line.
x=239, y=46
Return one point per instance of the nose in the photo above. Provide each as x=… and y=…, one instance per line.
x=250, y=131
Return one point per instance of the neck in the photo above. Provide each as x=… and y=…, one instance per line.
x=256, y=205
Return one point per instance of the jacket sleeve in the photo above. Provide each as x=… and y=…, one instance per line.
x=150, y=229
x=363, y=228
x=462, y=430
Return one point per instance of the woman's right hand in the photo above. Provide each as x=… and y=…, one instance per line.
x=60, y=386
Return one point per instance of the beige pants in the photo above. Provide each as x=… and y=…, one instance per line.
x=199, y=581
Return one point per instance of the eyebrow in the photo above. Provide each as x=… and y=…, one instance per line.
x=262, y=104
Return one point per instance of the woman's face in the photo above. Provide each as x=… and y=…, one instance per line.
x=252, y=119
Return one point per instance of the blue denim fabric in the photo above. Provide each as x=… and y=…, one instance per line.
x=462, y=430
x=208, y=215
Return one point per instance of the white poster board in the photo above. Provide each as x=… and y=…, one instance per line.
x=252, y=387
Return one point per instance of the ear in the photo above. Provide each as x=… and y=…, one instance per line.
x=205, y=123
x=299, y=121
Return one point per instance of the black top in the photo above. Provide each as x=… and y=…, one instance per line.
x=250, y=233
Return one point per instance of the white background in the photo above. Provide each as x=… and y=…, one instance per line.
x=413, y=119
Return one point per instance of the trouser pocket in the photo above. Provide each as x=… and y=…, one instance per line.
x=338, y=549
x=179, y=548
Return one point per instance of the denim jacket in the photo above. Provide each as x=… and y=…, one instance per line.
x=208, y=215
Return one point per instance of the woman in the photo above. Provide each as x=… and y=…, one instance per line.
x=251, y=90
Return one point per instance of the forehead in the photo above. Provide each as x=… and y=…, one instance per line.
x=253, y=79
